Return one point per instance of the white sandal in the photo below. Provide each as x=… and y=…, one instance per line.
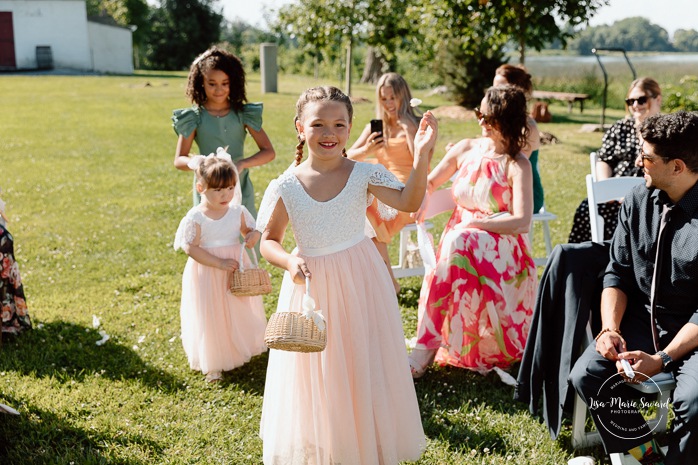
x=214, y=376
x=420, y=360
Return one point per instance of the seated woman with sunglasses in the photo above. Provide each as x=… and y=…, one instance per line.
x=619, y=148
x=475, y=306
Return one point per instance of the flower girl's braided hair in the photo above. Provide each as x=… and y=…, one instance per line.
x=319, y=94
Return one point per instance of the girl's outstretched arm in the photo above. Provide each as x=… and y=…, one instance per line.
x=410, y=198
x=265, y=154
x=272, y=250
x=184, y=145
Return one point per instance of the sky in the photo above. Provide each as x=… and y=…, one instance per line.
x=669, y=14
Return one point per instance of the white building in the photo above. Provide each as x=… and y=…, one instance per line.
x=40, y=34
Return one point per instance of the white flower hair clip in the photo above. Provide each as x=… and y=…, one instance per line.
x=197, y=160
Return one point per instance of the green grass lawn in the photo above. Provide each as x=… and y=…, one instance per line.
x=94, y=202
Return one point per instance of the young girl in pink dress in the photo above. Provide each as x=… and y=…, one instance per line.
x=220, y=331
x=354, y=403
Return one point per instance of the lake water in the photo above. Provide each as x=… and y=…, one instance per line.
x=655, y=64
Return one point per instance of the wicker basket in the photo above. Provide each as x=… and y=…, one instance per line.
x=294, y=331
x=248, y=282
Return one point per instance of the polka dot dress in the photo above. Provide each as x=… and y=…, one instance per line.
x=619, y=148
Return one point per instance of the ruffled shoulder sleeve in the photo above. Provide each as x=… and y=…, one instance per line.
x=380, y=176
x=186, y=232
x=252, y=115
x=186, y=120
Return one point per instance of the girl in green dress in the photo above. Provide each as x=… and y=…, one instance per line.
x=220, y=117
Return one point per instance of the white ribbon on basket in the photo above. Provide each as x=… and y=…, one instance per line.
x=308, y=307
x=255, y=263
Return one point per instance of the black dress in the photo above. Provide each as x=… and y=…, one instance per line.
x=619, y=148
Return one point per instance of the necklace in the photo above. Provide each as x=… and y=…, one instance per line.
x=218, y=112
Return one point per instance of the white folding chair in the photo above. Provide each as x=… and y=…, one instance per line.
x=605, y=191
x=440, y=201
x=593, y=158
x=544, y=217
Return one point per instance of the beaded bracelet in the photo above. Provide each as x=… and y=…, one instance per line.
x=606, y=330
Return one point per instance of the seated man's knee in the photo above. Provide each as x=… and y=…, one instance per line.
x=685, y=403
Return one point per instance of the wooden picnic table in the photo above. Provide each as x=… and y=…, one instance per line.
x=568, y=97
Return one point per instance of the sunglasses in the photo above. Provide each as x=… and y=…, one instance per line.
x=650, y=158
x=488, y=119
x=640, y=100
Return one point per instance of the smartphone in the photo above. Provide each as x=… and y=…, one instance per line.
x=377, y=126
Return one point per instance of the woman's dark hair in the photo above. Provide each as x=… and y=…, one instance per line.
x=506, y=105
x=516, y=76
x=222, y=60
x=319, y=94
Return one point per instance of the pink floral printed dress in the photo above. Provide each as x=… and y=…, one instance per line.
x=476, y=305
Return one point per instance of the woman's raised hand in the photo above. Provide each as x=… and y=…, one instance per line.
x=425, y=138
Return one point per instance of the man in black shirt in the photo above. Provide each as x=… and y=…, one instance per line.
x=650, y=317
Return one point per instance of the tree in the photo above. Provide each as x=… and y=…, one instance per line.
x=315, y=27
x=181, y=30
x=631, y=34
x=322, y=25
x=686, y=40
x=535, y=23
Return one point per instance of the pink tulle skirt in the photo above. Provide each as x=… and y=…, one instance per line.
x=220, y=331
x=354, y=403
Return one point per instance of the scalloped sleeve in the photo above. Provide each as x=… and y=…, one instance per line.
x=382, y=177
x=186, y=232
x=252, y=115
x=269, y=201
x=186, y=120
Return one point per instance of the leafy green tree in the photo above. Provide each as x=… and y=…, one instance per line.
x=312, y=24
x=535, y=23
x=686, y=40
x=327, y=27
x=180, y=30
x=631, y=34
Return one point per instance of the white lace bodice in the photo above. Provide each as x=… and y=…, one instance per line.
x=214, y=233
x=321, y=225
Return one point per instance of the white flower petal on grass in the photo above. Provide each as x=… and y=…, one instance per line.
x=141, y=339
x=105, y=338
x=95, y=322
x=415, y=102
x=173, y=338
x=505, y=377
x=411, y=342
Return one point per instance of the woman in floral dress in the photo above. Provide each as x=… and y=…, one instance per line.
x=475, y=306
x=13, y=306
